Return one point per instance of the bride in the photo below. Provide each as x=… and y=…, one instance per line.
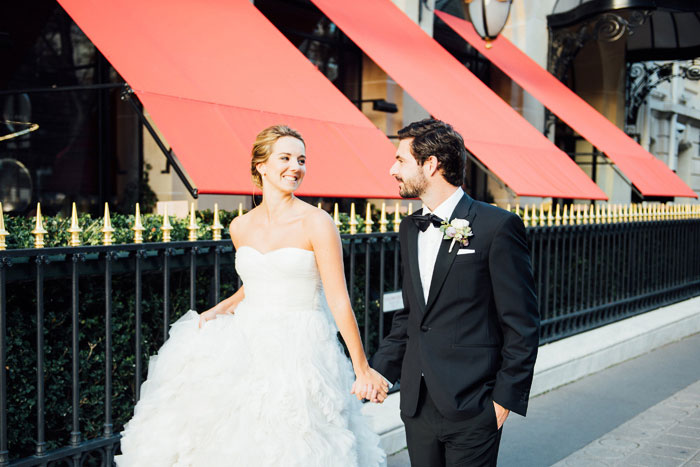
x=268, y=385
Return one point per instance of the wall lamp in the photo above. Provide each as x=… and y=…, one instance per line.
x=488, y=17
x=380, y=105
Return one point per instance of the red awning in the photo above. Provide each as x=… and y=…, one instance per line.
x=651, y=176
x=495, y=133
x=213, y=73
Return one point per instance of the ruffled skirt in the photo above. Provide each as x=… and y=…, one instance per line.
x=257, y=388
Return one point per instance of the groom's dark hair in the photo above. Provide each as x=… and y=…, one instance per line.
x=433, y=137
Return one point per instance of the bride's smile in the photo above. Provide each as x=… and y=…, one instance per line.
x=286, y=166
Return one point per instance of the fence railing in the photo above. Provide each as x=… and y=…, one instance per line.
x=78, y=323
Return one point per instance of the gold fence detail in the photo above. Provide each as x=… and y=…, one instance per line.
x=216, y=226
x=193, y=226
x=138, y=227
x=74, y=227
x=532, y=215
x=39, y=231
x=166, y=228
x=107, y=229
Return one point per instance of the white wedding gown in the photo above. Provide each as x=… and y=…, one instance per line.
x=266, y=386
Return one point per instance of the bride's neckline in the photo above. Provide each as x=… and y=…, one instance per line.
x=275, y=249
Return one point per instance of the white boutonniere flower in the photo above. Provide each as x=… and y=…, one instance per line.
x=457, y=230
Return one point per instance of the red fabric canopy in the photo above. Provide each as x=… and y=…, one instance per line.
x=651, y=176
x=213, y=73
x=495, y=133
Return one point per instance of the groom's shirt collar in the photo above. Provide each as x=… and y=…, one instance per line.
x=447, y=207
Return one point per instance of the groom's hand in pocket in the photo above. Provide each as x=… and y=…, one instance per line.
x=501, y=414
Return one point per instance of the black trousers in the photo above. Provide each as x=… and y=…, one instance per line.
x=434, y=441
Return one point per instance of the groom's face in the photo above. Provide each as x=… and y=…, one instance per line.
x=407, y=171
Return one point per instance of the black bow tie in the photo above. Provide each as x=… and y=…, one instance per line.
x=422, y=222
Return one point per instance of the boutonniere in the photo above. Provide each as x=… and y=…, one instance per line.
x=457, y=230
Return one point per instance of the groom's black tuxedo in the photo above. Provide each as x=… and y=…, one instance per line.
x=476, y=338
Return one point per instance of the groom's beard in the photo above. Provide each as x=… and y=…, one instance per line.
x=414, y=187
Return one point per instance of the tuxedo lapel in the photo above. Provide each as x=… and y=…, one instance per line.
x=445, y=258
x=413, y=269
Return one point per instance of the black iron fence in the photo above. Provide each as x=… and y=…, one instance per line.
x=77, y=324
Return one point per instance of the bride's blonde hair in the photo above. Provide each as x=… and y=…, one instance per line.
x=262, y=148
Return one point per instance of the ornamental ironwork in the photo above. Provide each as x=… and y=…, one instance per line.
x=644, y=77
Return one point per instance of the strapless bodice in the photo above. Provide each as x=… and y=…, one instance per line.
x=284, y=278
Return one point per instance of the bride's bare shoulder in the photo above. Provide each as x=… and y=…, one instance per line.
x=239, y=223
x=318, y=223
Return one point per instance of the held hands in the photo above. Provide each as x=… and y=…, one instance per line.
x=369, y=384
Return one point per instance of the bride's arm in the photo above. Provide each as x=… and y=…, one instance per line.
x=227, y=305
x=329, y=258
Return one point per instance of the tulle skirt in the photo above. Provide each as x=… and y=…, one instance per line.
x=258, y=388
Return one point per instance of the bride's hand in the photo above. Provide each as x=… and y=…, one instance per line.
x=207, y=316
x=371, y=385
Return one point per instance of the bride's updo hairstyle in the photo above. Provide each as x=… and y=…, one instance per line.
x=262, y=148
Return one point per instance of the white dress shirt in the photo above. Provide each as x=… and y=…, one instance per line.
x=429, y=241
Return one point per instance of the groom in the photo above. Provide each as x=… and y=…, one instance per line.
x=464, y=345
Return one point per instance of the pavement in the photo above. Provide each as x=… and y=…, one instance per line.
x=642, y=412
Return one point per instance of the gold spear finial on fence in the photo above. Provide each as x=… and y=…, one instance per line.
x=534, y=220
x=565, y=216
x=319, y=205
x=39, y=230
x=508, y=208
x=3, y=233
x=336, y=217
x=368, y=219
x=614, y=214
x=557, y=216
x=599, y=214
x=138, y=226
x=410, y=209
x=240, y=209
x=74, y=228
x=579, y=215
x=382, y=219
x=166, y=227
x=526, y=216
x=517, y=209
x=216, y=226
x=107, y=229
x=397, y=217
x=193, y=227
x=353, y=219
x=542, y=216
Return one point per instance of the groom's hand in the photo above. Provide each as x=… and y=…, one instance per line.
x=501, y=414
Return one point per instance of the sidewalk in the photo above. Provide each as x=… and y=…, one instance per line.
x=638, y=412
x=667, y=434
